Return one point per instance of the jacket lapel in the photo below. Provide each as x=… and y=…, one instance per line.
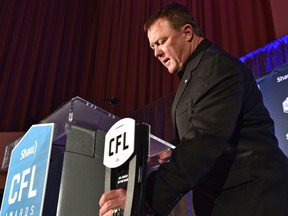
x=183, y=83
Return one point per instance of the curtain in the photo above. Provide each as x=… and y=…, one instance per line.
x=51, y=51
x=263, y=60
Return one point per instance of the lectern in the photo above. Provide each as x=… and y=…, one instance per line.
x=76, y=177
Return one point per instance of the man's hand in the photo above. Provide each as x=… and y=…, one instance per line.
x=110, y=200
x=116, y=198
x=163, y=156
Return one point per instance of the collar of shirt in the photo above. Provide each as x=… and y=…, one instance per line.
x=202, y=46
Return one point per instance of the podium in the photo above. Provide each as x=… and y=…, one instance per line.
x=76, y=177
x=76, y=172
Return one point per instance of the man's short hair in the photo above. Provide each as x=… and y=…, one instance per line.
x=178, y=15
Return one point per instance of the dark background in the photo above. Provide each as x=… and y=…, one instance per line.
x=51, y=51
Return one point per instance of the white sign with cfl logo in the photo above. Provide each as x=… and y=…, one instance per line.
x=119, y=143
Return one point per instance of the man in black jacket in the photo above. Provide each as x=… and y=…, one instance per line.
x=227, y=152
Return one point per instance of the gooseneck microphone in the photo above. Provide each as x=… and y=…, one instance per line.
x=112, y=100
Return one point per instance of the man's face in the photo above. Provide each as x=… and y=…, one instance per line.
x=170, y=46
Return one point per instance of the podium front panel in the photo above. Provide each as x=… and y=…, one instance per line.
x=76, y=175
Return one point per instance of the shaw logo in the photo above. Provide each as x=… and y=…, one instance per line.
x=26, y=152
x=119, y=143
x=282, y=78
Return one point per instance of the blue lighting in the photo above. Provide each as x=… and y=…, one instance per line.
x=268, y=57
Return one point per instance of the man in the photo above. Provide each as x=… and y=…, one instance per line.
x=227, y=152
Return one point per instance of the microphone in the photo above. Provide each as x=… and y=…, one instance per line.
x=112, y=100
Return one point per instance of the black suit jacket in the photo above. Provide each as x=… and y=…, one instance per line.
x=227, y=151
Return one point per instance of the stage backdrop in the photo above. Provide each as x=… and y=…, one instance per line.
x=274, y=87
x=52, y=51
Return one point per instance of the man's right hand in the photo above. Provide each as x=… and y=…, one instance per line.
x=110, y=200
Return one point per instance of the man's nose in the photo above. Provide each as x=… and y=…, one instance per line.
x=158, y=52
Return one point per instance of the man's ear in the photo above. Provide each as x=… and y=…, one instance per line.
x=188, y=32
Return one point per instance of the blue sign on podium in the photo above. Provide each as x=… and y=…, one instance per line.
x=28, y=172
